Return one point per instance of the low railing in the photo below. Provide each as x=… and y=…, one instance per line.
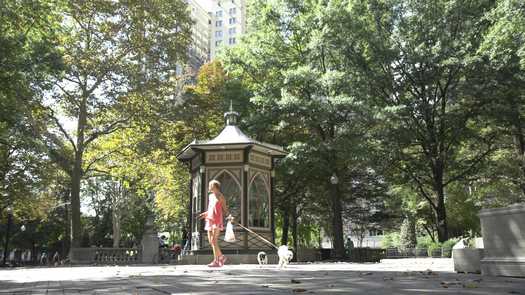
x=95, y=255
x=116, y=255
x=366, y=254
x=418, y=252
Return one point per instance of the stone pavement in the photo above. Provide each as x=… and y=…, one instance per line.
x=401, y=276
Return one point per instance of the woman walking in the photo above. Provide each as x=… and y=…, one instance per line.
x=214, y=221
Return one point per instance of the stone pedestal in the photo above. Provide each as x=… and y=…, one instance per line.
x=150, y=243
x=467, y=260
x=503, y=231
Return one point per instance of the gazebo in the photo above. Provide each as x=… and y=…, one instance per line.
x=245, y=169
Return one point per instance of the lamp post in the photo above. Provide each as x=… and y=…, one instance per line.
x=8, y=229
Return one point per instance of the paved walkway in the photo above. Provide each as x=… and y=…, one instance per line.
x=401, y=276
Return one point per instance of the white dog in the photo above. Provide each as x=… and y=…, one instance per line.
x=262, y=258
x=285, y=256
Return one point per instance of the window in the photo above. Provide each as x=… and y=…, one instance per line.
x=218, y=34
x=218, y=13
x=232, y=41
x=375, y=232
x=218, y=23
x=232, y=20
x=259, y=203
x=231, y=31
x=232, y=10
x=218, y=42
x=231, y=189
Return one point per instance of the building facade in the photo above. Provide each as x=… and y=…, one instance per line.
x=228, y=24
x=199, y=51
x=217, y=24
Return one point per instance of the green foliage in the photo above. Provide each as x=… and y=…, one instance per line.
x=391, y=240
x=29, y=182
x=424, y=242
x=405, y=101
x=448, y=244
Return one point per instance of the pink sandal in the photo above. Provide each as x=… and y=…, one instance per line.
x=222, y=260
x=214, y=263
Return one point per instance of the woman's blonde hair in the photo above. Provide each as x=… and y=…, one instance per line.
x=215, y=183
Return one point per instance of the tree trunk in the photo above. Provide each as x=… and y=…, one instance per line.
x=116, y=212
x=75, y=202
x=116, y=229
x=441, y=214
x=337, y=223
x=294, y=233
x=520, y=149
x=286, y=225
x=67, y=239
x=76, y=236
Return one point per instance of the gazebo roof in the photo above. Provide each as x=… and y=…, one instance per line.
x=231, y=137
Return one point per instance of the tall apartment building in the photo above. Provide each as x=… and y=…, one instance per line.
x=199, y=51
x=217, y=23
x=228, y=24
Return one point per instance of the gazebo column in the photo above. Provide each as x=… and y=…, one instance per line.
x=204, y=197
x=190, y=211
x=244, y=202
x=272, y=218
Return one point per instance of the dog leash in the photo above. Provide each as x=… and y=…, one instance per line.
x=257, y=235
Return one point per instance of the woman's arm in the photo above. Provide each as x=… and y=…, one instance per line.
x=224, y=205
x=203, y=214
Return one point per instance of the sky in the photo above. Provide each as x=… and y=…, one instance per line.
x=207, y=4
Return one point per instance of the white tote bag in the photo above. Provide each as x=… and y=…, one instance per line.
x=229, y=236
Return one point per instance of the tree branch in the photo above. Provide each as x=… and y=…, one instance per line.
x=109, y=129
x=62, y=130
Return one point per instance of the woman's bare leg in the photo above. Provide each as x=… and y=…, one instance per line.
x=212, y=242
x=216, y=234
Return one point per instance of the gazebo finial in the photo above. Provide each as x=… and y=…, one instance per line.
x=231, y=116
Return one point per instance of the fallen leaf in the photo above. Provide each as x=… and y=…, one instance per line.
x=293, y=281
x=299, y=290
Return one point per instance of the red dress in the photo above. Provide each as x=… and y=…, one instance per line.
x=214, y=214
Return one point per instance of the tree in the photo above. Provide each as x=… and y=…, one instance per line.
x=416, y=61
x=115, y=55
x=28, y=57
x=299, y=83
x=503, y=48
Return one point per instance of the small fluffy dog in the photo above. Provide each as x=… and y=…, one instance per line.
x=285, y=256
x=262, y=258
